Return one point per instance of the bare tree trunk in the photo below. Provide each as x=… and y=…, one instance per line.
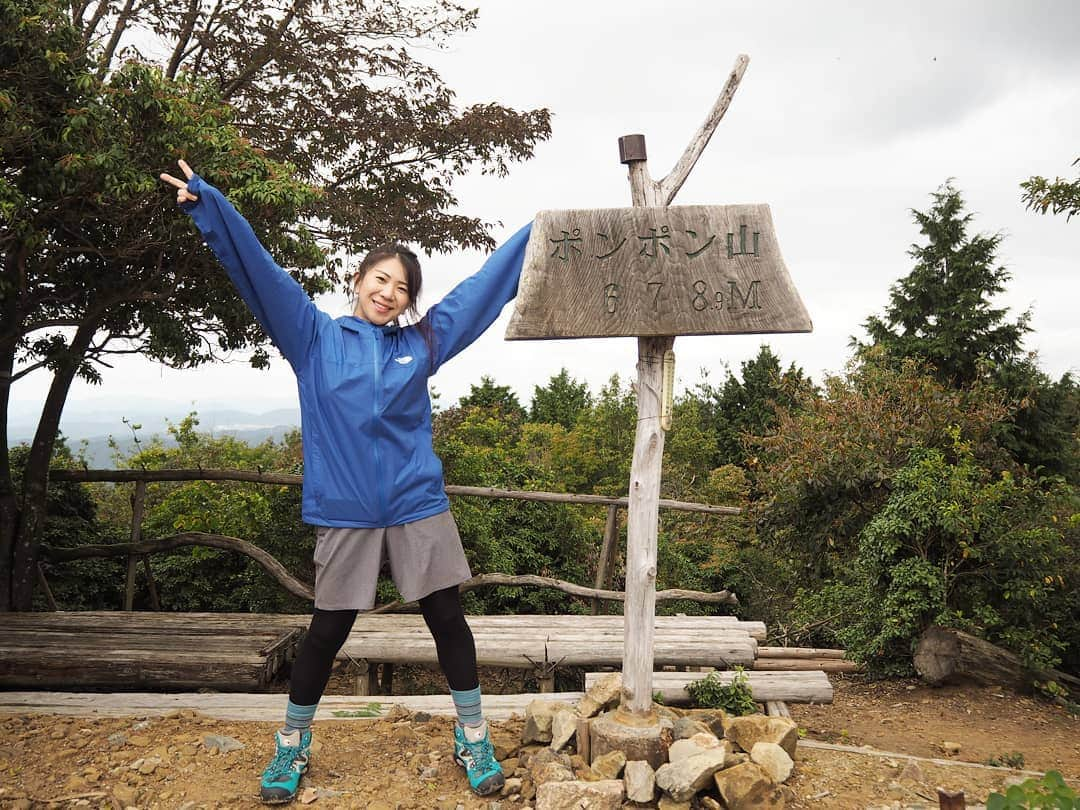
x=32, y=509
x=9, y=508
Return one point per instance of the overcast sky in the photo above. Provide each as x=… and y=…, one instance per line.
x=849, y=116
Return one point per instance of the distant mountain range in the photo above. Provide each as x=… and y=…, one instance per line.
x=95, y=429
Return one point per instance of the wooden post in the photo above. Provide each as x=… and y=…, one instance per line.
x=44, y=585
x=644, y=508
x=137, y=503
x=367, y=677
x=155, y=603
x=606, y=562
x=386, y=682
x=951, y=799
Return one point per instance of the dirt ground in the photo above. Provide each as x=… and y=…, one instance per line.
x=404, y=763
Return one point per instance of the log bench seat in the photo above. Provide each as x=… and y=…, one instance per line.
x=767, y=687
x=121, y=650
x=544, y=643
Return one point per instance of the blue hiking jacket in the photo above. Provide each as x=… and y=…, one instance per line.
x=364, y=405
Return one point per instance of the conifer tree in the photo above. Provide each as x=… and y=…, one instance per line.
x=942, y=311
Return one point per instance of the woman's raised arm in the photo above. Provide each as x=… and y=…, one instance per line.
x=280, y=304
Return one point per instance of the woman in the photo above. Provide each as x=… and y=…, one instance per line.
x=372, y=483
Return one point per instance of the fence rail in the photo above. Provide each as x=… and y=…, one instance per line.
x=138, y=550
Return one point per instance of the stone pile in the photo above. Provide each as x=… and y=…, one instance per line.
x=713, y=761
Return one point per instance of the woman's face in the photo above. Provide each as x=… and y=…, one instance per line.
x=383, y=293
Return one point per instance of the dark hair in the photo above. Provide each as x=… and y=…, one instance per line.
x=413, y=281
x=413, y=277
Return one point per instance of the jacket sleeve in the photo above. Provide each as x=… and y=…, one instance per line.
x=279, y=303
x=474, y=304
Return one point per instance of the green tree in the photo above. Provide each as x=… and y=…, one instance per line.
x=96, y=262
x=955, y=544
x=489, y=395
x=748, y=407
x=74, y=519
x=942, y=311
x=828, y=468
x=1057, y=196
x=479, y=446
x=267, y=515
x=357, y=141
x=560, y=401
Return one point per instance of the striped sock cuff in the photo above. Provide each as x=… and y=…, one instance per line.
x=467, y=705
x=299, y=717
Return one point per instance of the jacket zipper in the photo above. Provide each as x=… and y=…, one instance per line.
x=376, y=409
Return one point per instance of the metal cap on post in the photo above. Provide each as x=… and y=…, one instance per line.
x=631, y=148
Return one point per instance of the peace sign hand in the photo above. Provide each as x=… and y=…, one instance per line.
x=182, y=193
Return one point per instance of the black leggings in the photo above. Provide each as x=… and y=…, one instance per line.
x=445, y=619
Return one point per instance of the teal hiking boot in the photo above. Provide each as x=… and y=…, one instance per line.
x=282, y=776
x=473, y=752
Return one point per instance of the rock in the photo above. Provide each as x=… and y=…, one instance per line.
x=610, y=765
x=755, y=728
x=681, y=780
x=640, y=781
x=75, y=784
x=510, y=765
x=774, y=760
x=421, y=717
x=604, y=694
x=748, y=787
x=117, y=740
x=950, y=748
x=126, y=795
x=512, y=786
x=913, y=772
x=221, y=743
x=687, y=727
x=149, y=765
x=22, y=804
x=668, y=803
x=698, y=744
x=539, y=716
x=546, y=756
x=429, y=774
x=709, y=803
x=563, y=727
x=606, y=795
x=553, y=772
x=139, y=740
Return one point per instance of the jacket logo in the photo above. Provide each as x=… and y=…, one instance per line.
x=404, y=360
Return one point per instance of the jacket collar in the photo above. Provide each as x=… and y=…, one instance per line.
x=354, y=324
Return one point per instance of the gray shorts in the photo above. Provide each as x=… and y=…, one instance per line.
x=425, y=556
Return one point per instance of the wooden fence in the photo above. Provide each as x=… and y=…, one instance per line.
x=138, y=550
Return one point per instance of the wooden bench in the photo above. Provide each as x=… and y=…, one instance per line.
x=545, y=643
x=767, y=687
x=144, y=650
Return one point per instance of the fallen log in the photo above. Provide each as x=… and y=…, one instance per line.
x=806, y=665
x=799, y=652
x=946, y=655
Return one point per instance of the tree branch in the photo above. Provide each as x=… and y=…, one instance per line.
x=671, y=184
x=720, y=597
x=263, y=558
x=264, y=54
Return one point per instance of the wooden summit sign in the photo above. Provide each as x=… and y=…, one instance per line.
x=636, y=272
